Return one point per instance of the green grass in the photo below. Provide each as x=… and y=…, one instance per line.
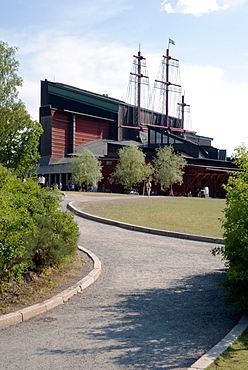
x=198, y=216
x=95, y=194
x=235, y=357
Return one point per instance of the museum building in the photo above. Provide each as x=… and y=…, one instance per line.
x=73, y=119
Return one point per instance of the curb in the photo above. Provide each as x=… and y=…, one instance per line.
x=209, y=357
x=31, y=311
x=173, y=234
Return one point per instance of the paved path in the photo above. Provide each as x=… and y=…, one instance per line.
x=155, y=306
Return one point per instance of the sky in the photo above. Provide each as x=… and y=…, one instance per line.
x=90, y=45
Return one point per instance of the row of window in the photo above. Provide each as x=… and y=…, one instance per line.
x=158, y=138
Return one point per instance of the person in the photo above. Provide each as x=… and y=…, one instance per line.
x=42, y=181
x=90, y=188
x=148, y=187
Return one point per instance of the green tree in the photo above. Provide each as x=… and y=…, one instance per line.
x=169, y=168
x=19, y=134
x=132, y=168
x=86, y=169
x=235, y=225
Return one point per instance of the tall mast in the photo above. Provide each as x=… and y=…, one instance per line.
x=167, y=83
x=183, y=105
x=139, y=57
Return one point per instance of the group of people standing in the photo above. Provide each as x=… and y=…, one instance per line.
x=42, y=183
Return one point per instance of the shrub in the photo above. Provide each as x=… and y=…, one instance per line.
x=34, y=232
x=54, y=237
x=14, y=223
x=235, y=224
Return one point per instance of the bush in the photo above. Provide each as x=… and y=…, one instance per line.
x=235, y=224
x=52, y=240
x=34, y=232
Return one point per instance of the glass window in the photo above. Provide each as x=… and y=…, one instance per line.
x=164, y=139
x=158, y=138
x=152, y=137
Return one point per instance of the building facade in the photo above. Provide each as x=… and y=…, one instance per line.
x=73, y=118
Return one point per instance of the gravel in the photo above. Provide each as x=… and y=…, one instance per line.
x=156, y=305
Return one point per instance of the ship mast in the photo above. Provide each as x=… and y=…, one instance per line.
x=167, y=83
x=183, y=105
x=167, y=90
x=139, y=76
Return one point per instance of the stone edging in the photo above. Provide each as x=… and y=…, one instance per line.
x=143, y=229
x=26, y=313
x=209, y=357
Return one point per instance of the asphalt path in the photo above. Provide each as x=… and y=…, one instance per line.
x=156, y=305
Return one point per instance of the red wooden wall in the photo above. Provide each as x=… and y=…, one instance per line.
x=60, y=131
x=89, y=129
x=86, y=129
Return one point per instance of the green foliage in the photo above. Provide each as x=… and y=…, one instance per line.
x=10, y=81
x=86, y=169
x=235, y=224
x=168, y=168
x=19, y=134
x=53, y=238
x=132, y=168
x=34, y=232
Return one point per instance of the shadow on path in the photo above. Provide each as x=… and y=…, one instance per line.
x=161, y=328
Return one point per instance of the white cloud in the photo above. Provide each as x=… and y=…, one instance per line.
x=199, y=7
x=218, y=106
x=80, y=62
x=104, y=68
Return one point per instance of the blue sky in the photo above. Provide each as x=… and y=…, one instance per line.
x=90, y=44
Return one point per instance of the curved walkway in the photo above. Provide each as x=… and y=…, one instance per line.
x=156, y=305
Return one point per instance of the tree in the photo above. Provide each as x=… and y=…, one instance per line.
x=19, y=134
x=132, y=168
x=235, y=236
x=168, y=168
x=86, y=169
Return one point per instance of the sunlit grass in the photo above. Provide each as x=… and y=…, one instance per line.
x=235, y=357
x=198, y=216
x=95, y=194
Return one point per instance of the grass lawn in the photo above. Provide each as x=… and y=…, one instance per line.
x=235, y=357
x=94, y=194
x=198, y=216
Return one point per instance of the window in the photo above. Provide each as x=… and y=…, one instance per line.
x=158, y=138
x=164, y=139
x=152, y=137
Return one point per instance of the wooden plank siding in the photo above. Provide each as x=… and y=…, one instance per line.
x=60, y=132
x=89, y=129
x=86, y=129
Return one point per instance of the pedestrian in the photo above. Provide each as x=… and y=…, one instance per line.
x=42, y=181
x=148, y=187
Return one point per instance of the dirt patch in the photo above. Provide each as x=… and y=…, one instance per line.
x=34, y=289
